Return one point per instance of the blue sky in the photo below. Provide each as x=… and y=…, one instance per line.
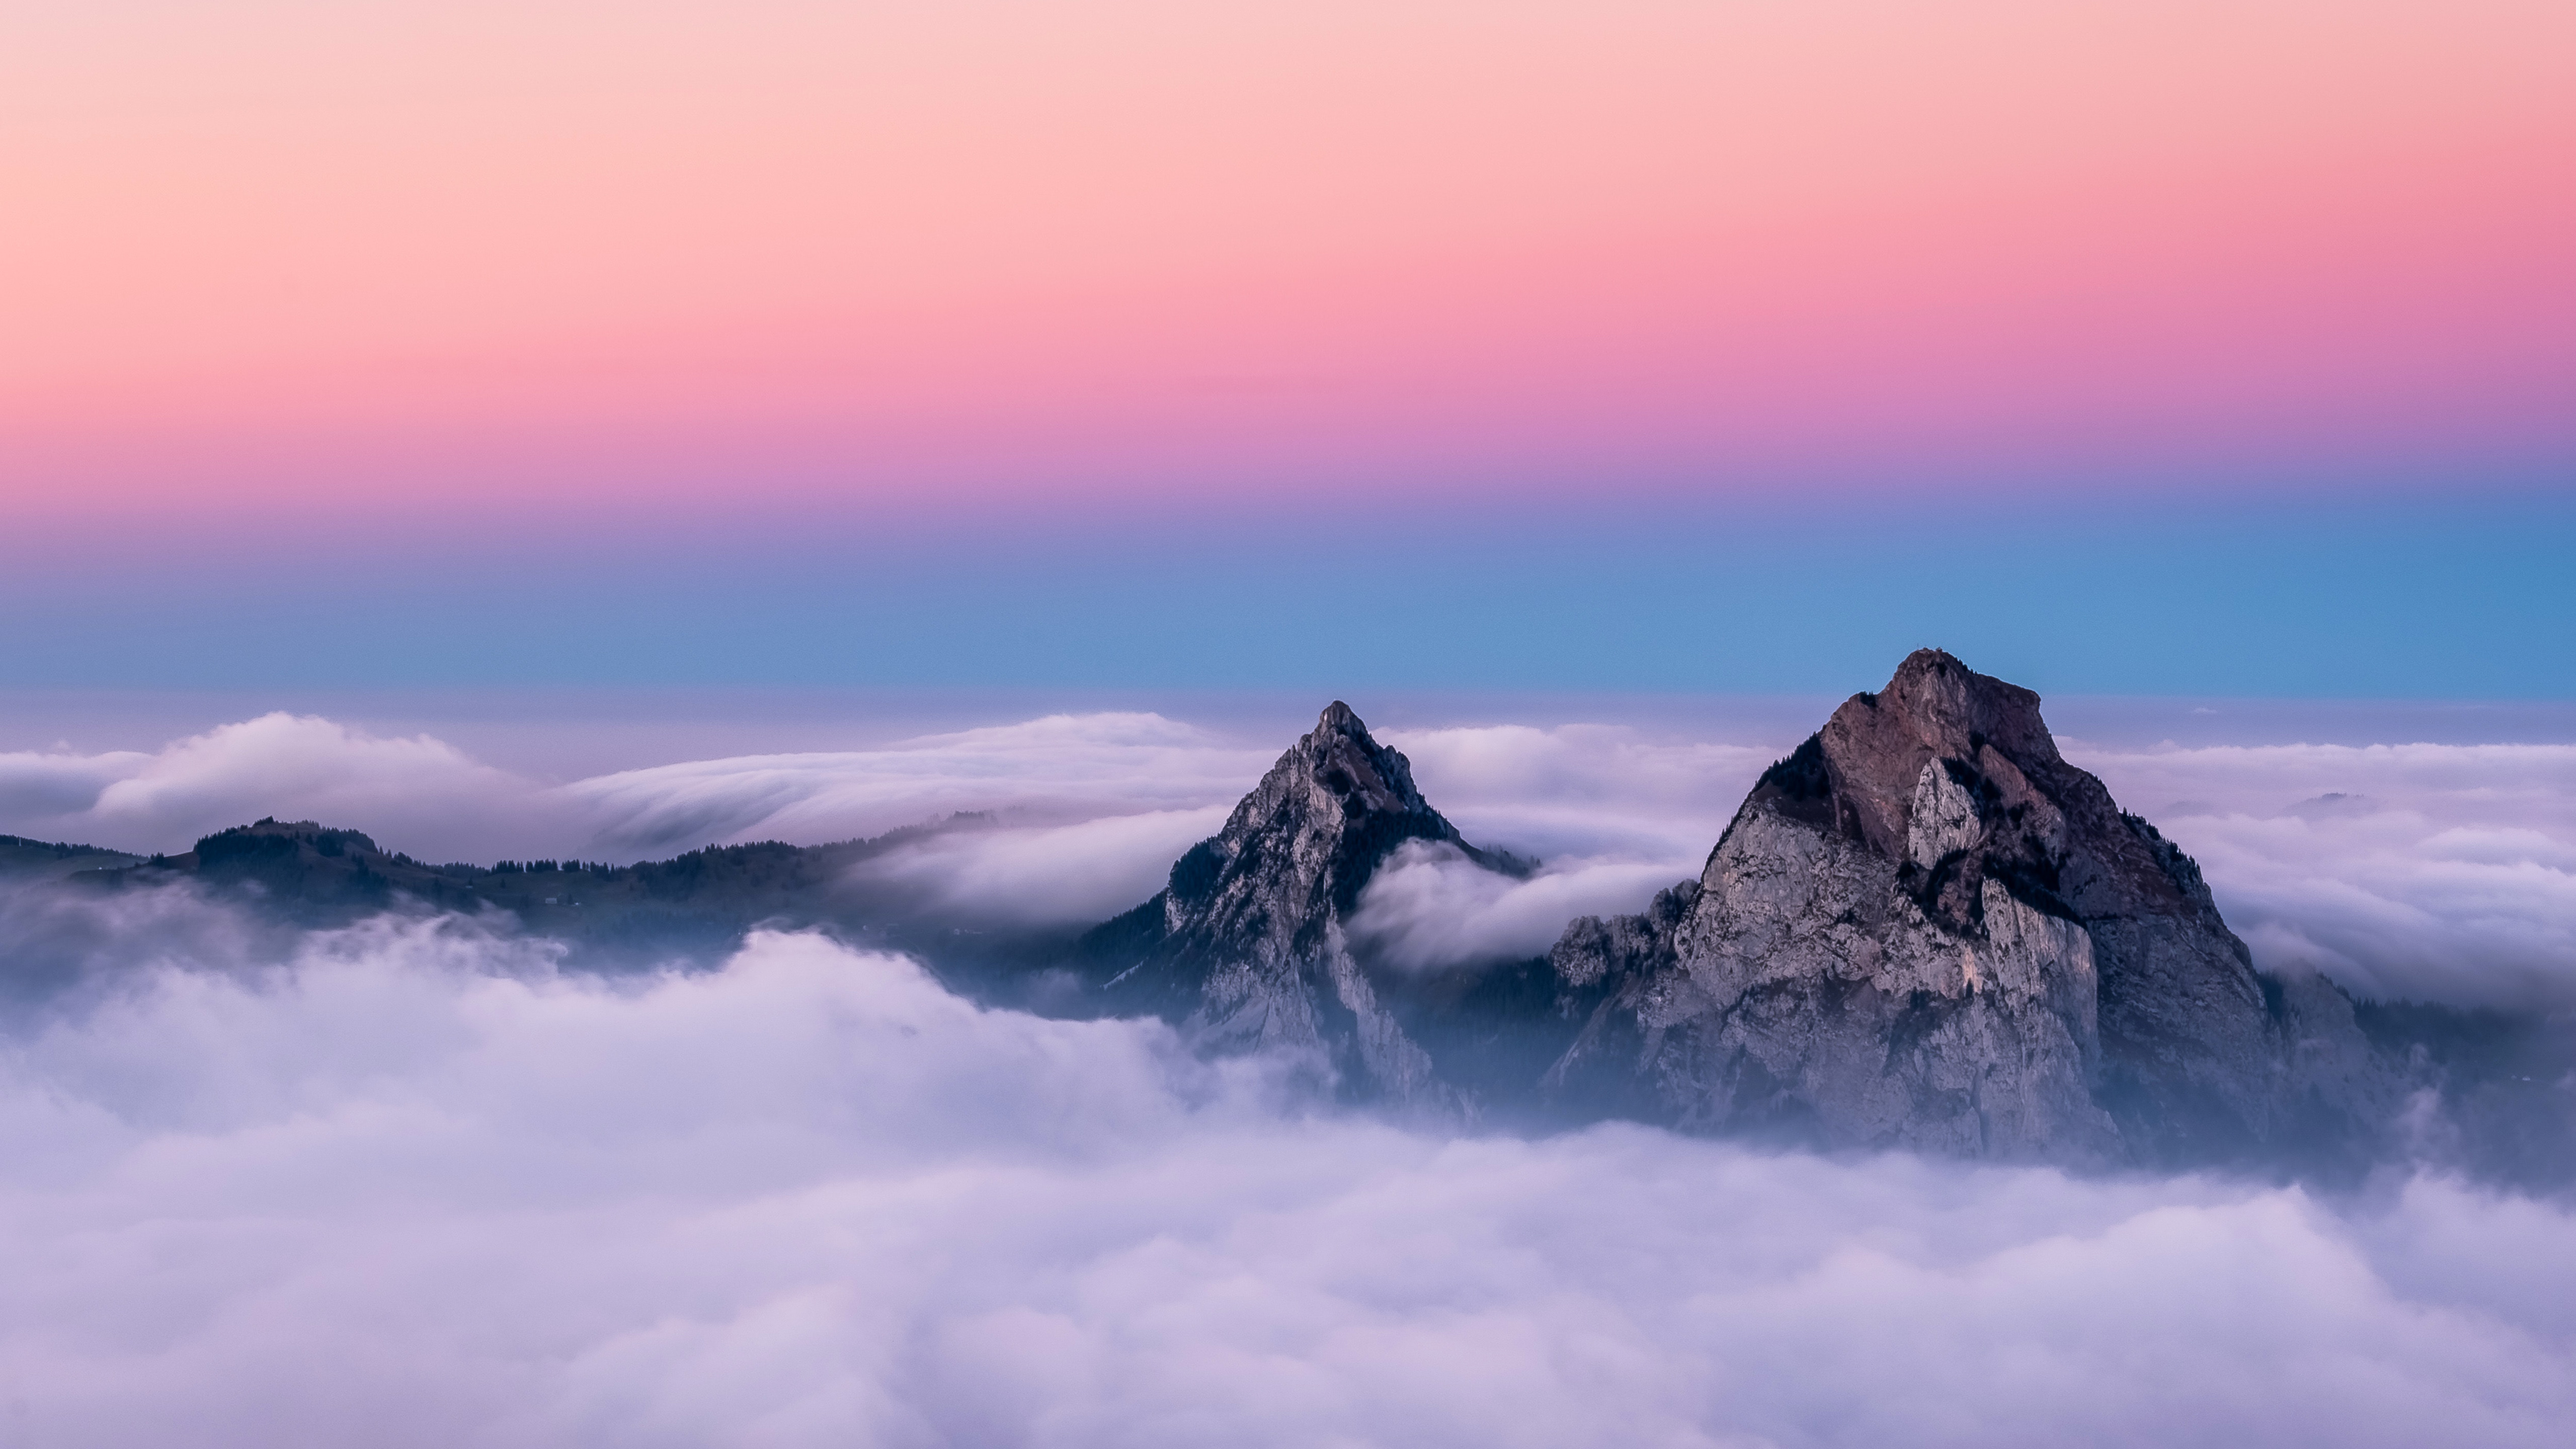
x=2419, y=598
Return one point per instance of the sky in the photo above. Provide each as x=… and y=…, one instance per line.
x=2177, y=348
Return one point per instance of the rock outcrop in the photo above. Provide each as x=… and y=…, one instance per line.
x=1925, y=929
x=1247, y=948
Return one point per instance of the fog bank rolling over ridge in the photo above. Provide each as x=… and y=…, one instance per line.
x=2424, y=870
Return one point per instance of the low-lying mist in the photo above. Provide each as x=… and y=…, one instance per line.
x=411, y=1183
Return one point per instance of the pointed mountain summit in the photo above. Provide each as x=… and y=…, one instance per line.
x=1925, y=929
x=1246, y=947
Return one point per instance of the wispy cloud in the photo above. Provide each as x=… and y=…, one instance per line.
x=1047, y=875
x=1061, y=768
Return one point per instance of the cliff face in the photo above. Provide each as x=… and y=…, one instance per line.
x=1247, y=947
x=1925, y=929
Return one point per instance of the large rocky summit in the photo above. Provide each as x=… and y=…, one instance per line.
x=1925, y=929
x=1248, y=947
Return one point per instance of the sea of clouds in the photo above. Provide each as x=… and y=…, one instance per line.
x=412, y=1183
x=2437, y=871
x=407, y=1184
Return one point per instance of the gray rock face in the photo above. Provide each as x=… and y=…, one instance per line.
x=1925, y=929
x=1247, y=949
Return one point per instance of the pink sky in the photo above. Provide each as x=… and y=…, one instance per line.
x=273, y=254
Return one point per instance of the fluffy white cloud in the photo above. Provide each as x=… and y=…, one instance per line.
x=1589, y=790
x=406, y=1185
x=1614, y=813
x=2439, y=872
x=423, y=796
x=1429, y=907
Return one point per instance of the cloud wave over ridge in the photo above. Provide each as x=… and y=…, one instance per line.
x=406, y=1184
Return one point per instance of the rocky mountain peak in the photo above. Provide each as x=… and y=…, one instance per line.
x=1310, y=835
x=1926, y=928
x=1947, y=705
x=1336, y=774
x=1870, y=771
x=1246, y=945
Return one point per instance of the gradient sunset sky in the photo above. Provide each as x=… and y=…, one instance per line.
x=2122, y=347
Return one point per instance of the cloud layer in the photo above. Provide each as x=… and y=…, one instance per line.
x=404, y=1184
x=2439, y=871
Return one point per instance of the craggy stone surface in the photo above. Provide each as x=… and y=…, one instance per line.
x=1925, y=929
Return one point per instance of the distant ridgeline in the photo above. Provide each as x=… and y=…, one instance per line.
x=1924, y=929
x=22, y=857
x=697, y=905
